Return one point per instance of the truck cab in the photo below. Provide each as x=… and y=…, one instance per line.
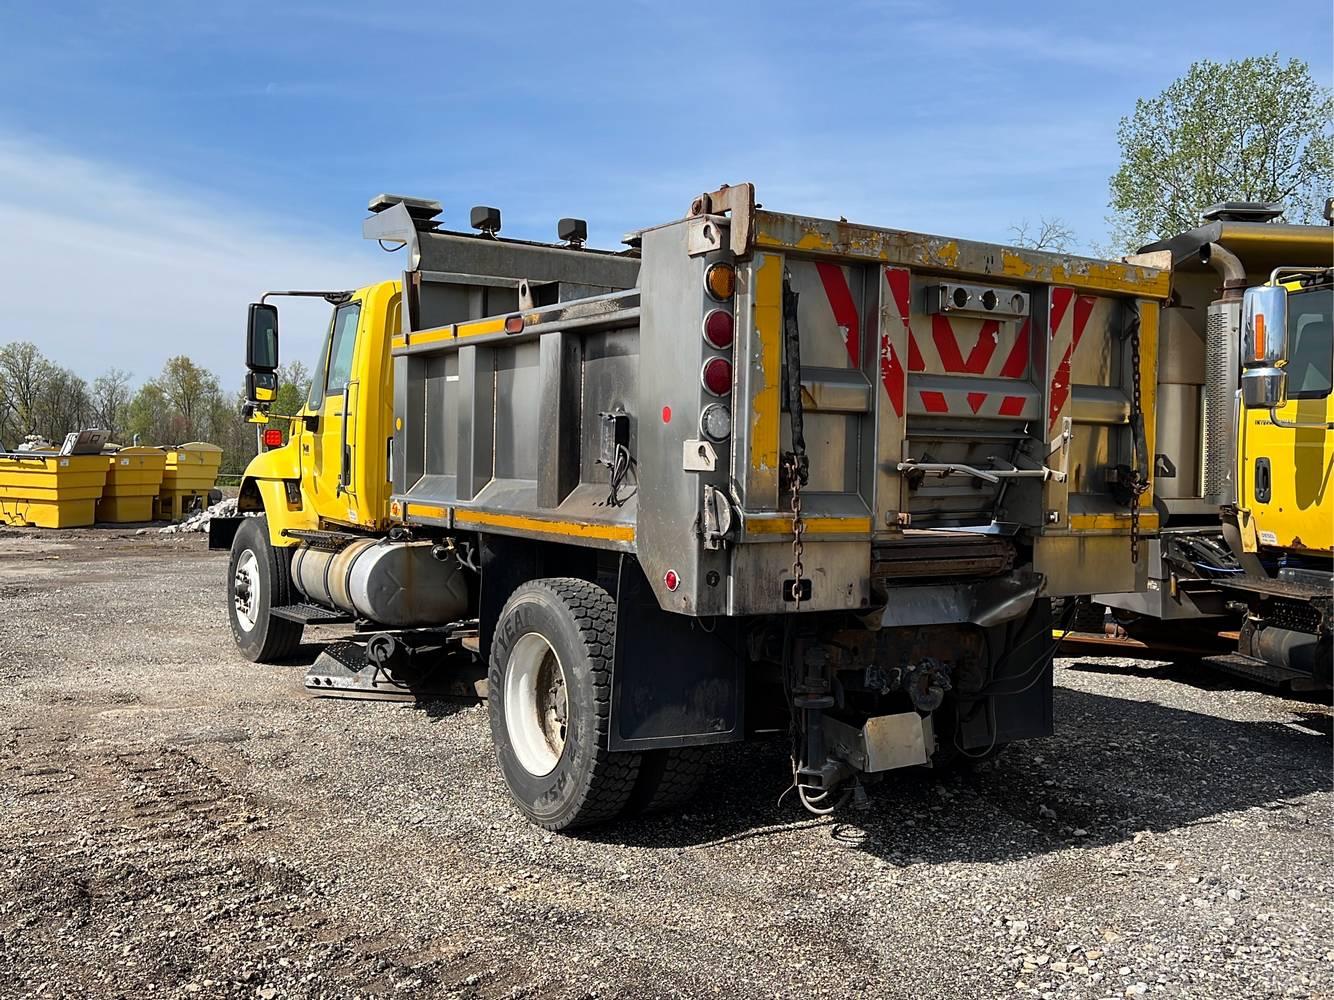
x=328, y=463
x=1244, y=458
x=1282, y=527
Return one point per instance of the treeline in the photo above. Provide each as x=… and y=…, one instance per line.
x=183, y=402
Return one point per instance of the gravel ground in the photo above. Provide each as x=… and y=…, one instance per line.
x=176, y=821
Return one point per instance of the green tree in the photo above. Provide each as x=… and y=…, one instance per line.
x=150, y=416
x=191, y=393
x=1254, y=129
x=23, y=374
x=293, y=388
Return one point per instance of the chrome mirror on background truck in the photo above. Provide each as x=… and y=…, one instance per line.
x=1264, y=348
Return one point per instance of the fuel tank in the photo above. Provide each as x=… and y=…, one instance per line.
x=399, y=584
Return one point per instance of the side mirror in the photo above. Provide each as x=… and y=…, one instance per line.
x=261, y=342
x=261, y=388
x=1264, y=348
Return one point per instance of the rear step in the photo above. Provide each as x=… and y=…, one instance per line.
x=311, y=614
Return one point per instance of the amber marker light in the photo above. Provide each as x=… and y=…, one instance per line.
x=720, y=280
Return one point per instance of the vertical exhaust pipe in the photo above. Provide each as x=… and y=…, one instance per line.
x=1222, y=361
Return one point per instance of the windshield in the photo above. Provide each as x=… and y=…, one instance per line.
x=1311, y=343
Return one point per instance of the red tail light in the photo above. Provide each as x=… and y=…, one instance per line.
x=273, y=437
x=718, y=329
x=717, y=376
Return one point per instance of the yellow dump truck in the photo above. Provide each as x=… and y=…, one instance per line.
x=1245, y=449
x=756, y=473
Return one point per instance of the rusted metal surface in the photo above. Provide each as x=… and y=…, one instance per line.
x=1097, y=644
x=922, y=251
x=738, y=201
x=938, y=553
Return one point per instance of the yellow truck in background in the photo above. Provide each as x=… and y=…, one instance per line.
x=1244, y=455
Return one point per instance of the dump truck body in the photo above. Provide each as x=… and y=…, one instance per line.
x=822, y=477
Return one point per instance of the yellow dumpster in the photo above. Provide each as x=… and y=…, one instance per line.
x=134, y=479
x=189, y=474
x=49, y=490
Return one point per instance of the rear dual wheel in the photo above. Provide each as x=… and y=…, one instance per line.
x=549, y=698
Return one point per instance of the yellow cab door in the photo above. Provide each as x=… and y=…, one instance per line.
x=345, y=443
x=1287, y=473
x=328, y=460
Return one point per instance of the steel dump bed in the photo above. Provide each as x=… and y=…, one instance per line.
x=972, y=413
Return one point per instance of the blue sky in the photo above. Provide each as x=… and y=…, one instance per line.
x=161, y=163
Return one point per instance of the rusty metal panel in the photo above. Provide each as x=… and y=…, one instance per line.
x=924, y=252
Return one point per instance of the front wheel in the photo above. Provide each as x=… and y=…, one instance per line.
x=259, y=579
x=549, y=698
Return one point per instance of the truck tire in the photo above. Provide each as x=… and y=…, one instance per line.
x=668, y=779
x=259, y=579
x=549, y=698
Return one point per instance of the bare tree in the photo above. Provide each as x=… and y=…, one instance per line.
x=1050, y=234
x=111, y=401
x=63, y=404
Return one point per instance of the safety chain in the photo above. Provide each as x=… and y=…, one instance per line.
x=798, y=528
x=1139, y=482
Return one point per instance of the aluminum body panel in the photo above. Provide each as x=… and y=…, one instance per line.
x=1178, y=451
x=501, y=418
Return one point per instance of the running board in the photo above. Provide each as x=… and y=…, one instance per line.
x=311, y=614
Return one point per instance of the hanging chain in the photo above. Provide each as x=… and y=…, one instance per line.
x=1139, y=480
x=798, y=528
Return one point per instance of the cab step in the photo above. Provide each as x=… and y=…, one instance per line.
x=311, y=614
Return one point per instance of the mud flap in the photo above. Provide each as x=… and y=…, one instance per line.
x=1016, y=704
x=677, y=679
x=222, y=531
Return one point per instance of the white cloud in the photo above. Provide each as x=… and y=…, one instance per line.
x=103, y=267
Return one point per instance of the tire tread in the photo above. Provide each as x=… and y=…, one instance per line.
x=612, y=776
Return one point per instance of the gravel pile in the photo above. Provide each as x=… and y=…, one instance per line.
x=177, y=822
x=198, y=521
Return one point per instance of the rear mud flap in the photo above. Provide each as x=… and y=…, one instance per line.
x=677, y=679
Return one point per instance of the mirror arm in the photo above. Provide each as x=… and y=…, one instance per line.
x=333, y=298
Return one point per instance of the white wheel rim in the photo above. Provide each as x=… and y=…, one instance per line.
x=246, y=588
x=536, y=706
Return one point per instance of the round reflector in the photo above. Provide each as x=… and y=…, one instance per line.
x=671, y=579
x=715, y=423
x=718, y=329
x=720, y=280
x=717, y=376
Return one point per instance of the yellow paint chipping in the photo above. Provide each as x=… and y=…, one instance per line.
x=766, y=365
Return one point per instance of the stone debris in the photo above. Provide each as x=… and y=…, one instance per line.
x=198, y=521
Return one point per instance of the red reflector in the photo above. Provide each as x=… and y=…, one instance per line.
x=273, y=437
x=666, y=414
x=717, y=376
x=718, y=329
x=671, y=579
x=514, y=324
